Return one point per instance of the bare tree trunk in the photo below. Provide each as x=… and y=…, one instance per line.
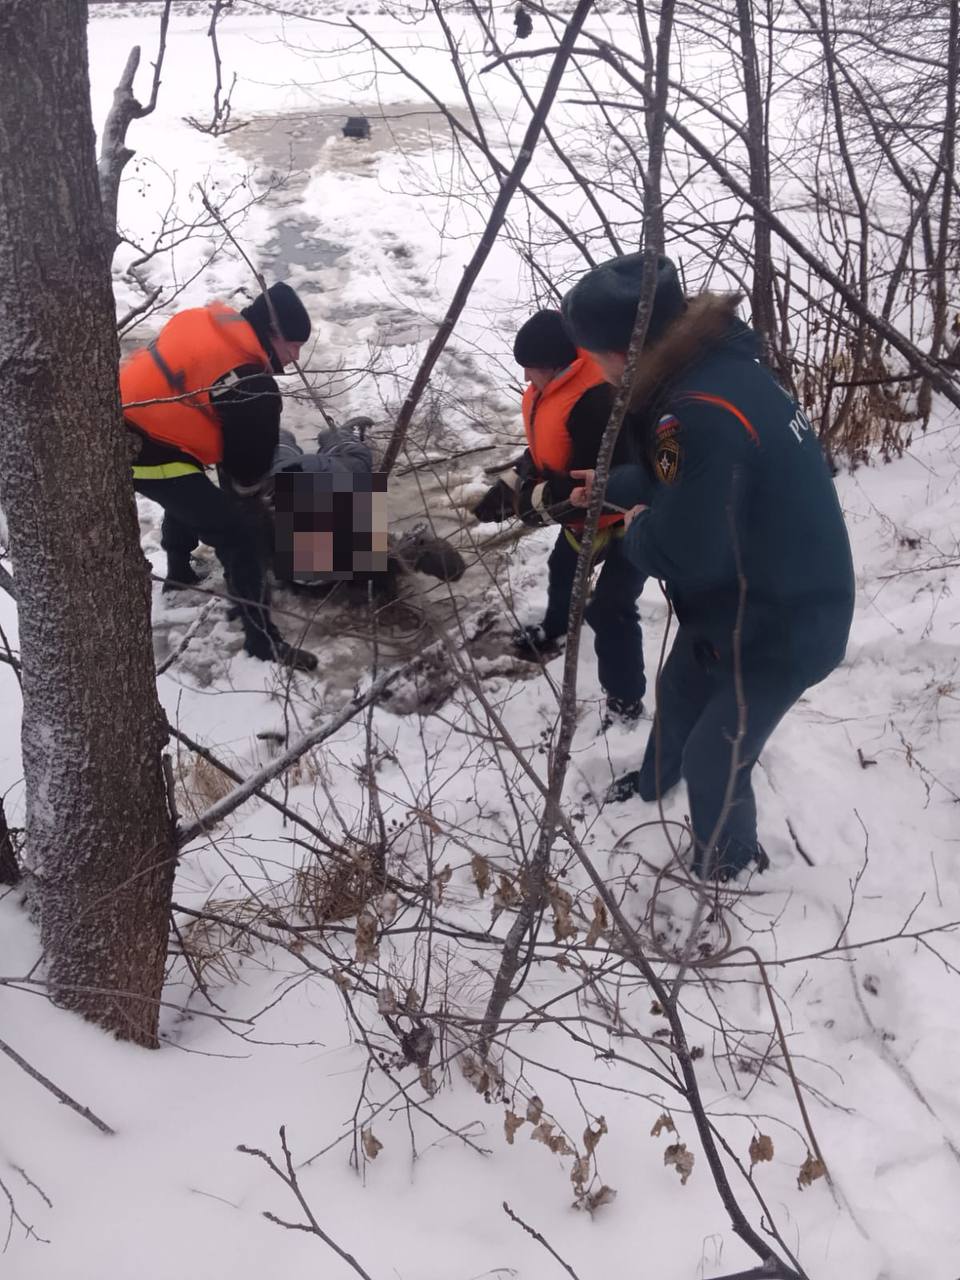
x=9, y=867
x=114, y=152
x=947, y=163
x=99, y=838
x=761, y=293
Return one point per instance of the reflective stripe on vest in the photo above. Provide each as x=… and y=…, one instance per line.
x=166, y=471
x=165, y=387
x=602, y=538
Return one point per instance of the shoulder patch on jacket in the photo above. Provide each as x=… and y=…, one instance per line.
x=667, y=458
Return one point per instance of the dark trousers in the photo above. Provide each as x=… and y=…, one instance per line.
x=694, y=732
x=195, y=511
x=611, y=613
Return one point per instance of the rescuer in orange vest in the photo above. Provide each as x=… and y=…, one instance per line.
x=565, y=409
x=203, y=393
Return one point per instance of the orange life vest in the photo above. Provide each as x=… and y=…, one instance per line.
x=177, y=370
x=545, y=415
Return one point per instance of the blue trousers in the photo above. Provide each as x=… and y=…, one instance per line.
x=695, y=731
x=611, y=614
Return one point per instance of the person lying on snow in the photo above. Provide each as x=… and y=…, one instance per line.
x=565, y=409
x=734, y=508
x=329, y=527
x=204, y=393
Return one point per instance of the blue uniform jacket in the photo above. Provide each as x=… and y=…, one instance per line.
x=741, y=495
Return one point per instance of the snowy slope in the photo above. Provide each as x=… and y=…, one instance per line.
x=862, y=776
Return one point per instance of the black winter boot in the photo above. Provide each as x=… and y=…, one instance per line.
x=271, y=647
x=619, y=712
x=624, y=788
x=729, y=859
x=181, y=574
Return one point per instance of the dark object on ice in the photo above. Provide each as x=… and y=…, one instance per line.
x=417, y=549
x=523, y=22
x=357, y=127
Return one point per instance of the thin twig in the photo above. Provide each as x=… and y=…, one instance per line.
x=540, y=1240
x=290, y=1179
x=498, y=214
x=57, y=1092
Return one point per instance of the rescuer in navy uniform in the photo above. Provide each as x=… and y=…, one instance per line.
x=744, y=528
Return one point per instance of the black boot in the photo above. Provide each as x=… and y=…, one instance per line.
x=619, y=711
x=181, y=574
x=730, y=858
x=624, y=788
x=270, y=646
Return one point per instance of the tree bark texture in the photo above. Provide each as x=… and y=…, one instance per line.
x=99, y=838
x=9, y=868
x=761, y=293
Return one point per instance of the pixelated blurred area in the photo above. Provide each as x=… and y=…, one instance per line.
x=330, y=526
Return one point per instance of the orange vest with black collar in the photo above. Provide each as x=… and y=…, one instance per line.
x=545, y=415
x=165, y=387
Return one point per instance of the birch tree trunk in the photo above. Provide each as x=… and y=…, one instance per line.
x=99, y=838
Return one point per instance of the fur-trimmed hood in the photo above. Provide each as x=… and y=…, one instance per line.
x=709, y=321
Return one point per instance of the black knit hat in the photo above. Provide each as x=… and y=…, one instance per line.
x=542, y=343
x=292, y=318
x=600, y=309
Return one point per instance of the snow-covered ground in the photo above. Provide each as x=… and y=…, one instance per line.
x=858, y=794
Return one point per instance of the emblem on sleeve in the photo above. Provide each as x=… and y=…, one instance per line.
x=667, y=460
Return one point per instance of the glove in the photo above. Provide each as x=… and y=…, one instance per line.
x=496, y=505
x=542, y=499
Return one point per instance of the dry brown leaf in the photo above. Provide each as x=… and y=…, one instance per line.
x=429, y=821
x=427, y=1082
x=543, y=1132
x=761, y=1149
x=534, y=1109
x=478, y=1075
x=505, y=896
x=810, y=1171
x=366, y=937
x=598, y=924
x=411, y=1001
x=388, y=906
x=592, y=1136
x=560, y=1146
x=386, y=1000
x=580, y=1173
x=482, y=878
x=664, y=1121
x=681, y=1159
x=342, y=980
x=439, y=882
x=372, y=1146
x=562, y=903
x=511, y=1123
x=597, y=1199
